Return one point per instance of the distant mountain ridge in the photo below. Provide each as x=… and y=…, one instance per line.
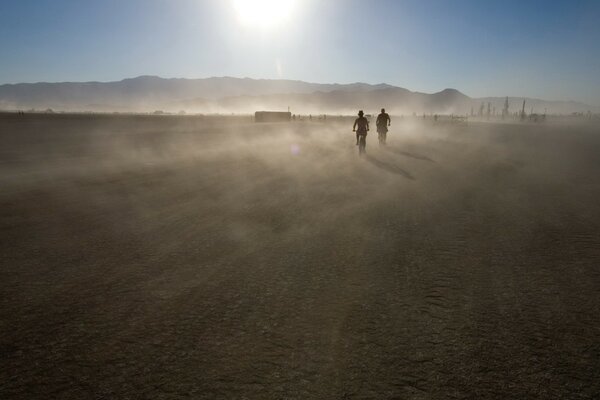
x=228, y=94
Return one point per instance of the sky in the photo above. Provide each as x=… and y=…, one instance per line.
x=543, y=49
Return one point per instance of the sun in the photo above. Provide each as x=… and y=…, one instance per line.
x=263, y=13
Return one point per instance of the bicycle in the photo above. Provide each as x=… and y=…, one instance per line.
x=362, y=144
x=382, y=136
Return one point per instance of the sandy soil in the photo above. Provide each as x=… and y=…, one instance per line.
x=187, y=257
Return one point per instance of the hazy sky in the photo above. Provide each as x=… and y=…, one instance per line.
x=547, y=49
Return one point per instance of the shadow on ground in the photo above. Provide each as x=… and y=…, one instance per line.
x=389, y=167
x=407, y=154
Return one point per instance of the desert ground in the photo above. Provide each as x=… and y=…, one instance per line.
x=170, y=257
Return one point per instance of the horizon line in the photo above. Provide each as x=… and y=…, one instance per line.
x=297, y=80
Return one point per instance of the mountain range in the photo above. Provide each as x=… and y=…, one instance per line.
x=244, y=95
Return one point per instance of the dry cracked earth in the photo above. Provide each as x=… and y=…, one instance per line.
x=214, y=258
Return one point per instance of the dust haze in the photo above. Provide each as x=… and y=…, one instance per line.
x=216, y=257
x=226, y=95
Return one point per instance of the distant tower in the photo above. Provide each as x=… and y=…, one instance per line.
x=481, y=107
x=523, y=110
x=505, y=109
x=489, y=110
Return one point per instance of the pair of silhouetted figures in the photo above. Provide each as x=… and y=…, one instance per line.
x=361, y=127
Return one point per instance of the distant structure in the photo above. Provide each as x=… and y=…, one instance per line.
x=505, y=109
x=272, y=116
x=523, y=110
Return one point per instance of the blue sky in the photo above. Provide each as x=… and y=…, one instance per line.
x=546, y=49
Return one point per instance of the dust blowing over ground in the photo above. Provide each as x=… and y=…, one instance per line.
x=218, y=258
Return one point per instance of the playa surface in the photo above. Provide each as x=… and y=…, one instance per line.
x=214, y=258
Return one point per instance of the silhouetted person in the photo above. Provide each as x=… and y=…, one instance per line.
x=383, y=121
x=362, y=124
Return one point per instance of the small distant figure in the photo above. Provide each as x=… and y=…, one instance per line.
x=383, y=122
x=362, y=124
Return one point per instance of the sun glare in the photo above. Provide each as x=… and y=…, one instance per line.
x=263, y=13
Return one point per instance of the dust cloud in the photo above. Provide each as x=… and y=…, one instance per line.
x=215, y=257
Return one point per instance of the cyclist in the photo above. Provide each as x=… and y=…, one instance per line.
x=363, y=126
x=383, y=121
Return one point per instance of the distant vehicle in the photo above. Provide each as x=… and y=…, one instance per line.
x=272, y=116
x=537, y=117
